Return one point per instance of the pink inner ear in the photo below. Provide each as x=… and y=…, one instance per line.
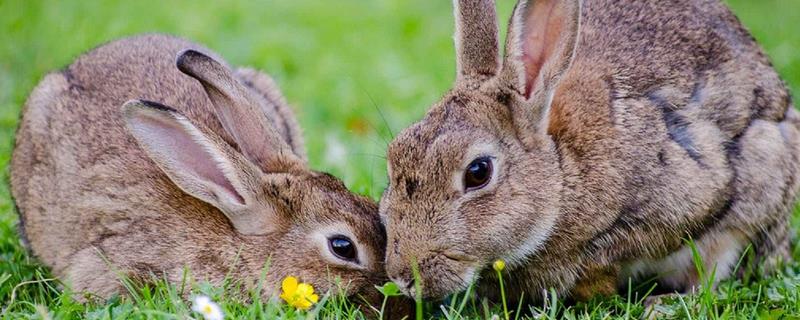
x=542, y=27
x=175, y=144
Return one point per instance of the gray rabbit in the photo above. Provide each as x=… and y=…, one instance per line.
x=610, y=134
x=215, y=179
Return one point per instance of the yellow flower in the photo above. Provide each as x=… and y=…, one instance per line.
x=298, y=295
x=499, y=265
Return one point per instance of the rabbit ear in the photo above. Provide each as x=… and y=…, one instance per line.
x=201, y=165
x=239, y=111
x=476, y=41
x=542, y=37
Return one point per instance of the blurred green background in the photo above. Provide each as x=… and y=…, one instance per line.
x=341, y=63
x=356, y=71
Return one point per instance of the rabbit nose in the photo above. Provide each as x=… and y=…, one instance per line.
x=405, y=285
x=401, y=275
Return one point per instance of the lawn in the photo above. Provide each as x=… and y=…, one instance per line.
x=356, y=71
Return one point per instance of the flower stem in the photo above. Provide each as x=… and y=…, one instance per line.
x=418, y=290
x=383, y=305
x=503, y=293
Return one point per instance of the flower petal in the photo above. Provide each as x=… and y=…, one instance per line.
x=304, y=289
x=289, y=285
x=286, y=297
x=199, y=303
x=499, y=265
x=208, y=308
x=303, y=304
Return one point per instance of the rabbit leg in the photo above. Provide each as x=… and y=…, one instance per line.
x=765, y=160
x=767, y=166
x=31, y=163
x=719, y=252
x=772, y=246
x=765, y=188
x=598, y=280
x=767, y=163
x=89, y=273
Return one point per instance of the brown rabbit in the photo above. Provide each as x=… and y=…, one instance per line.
x=219, y=184
x=611, y=133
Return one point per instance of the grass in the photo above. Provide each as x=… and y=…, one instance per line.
x=357, y=72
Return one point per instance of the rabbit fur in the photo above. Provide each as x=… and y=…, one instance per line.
x=618, y=132
x=212, y=177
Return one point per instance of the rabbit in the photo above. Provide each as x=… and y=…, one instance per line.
x=611, y=138
x=215, y=180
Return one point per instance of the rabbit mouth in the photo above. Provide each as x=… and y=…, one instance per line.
x=453, y=276
x=459, y=256
x=443, y=285
x=440, y=274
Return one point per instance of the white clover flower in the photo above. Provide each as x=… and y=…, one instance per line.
x=209, y=309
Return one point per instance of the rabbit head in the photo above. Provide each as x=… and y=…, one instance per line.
x=478, y=178
x=305, y=223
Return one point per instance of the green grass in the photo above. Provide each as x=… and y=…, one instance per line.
x=357, y=71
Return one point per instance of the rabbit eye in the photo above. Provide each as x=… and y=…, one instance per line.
x=342, y=248
x=478, y=173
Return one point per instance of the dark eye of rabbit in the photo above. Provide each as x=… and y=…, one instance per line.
x=343, y=248
x=478, y=173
